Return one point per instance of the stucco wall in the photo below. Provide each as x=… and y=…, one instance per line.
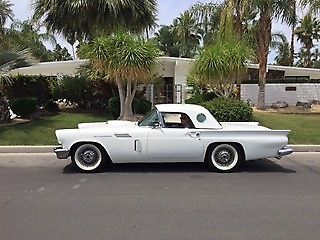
x=277, y=92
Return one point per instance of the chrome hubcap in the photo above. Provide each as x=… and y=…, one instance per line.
x=224, y=157
x=88, y=156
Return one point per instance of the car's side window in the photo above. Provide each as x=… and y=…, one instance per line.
x=176, y=120
x=150, y=119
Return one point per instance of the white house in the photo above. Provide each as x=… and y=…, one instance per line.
x=174, y=72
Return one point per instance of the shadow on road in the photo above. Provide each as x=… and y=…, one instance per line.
x=263, y=165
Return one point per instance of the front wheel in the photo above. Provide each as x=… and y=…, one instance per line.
x=224, y=157
x=88, y=157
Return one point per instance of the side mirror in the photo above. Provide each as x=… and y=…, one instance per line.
x=156, y=125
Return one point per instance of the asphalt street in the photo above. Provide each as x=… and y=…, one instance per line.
x=42, y=197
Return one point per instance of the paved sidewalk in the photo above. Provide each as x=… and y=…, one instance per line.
x=49, y=149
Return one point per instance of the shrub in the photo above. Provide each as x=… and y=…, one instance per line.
x=29, y=86
x=83, y=92
x=229, y=110
x=142, y=106
x=200, y=98
x=24, y=107
x=73, y=89
x=114, y=106
x=51, y=106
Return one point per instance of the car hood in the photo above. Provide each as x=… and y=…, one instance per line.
x=111, y=123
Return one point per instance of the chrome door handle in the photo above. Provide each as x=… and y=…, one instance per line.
x=194, y=134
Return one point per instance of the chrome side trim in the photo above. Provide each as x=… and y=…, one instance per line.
x=61, y=153
x=122, y=135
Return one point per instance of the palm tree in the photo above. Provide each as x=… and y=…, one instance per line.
x=188, y=34
x=10, y=60
x=224, y=62
x=124, y=58
x=221, y=64
x=30, y=35
x=86, y=18
x=307, y=31
x=207, y=19
x=267, y=10
x=281, y=44
x=5, y=14
x=168, y=41
x=313, y=4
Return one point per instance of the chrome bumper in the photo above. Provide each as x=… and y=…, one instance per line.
x=284, y=151
x=61, y=153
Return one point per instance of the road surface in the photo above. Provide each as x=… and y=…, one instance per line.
x=44, y=198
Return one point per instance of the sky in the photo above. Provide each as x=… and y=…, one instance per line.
x=167, y=11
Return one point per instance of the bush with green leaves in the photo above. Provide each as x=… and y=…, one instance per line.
x=29, y=86
x=140, y=106
x=84, y=92
x=200, y=98
x=73, y=89
x=24, y=107
x=229, y=110
x=51, y=106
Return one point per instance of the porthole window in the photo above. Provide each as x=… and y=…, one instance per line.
x=201, y=117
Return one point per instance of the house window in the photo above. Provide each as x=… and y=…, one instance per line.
x=291, y=89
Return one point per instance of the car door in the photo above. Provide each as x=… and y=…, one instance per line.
x=174, y=145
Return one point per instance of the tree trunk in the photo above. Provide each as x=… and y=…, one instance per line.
x=121, y=96
x=294, y=15
x=292, y=46
x=308, y=49
x=4, y=110
x=264, y=38
x=126, y=99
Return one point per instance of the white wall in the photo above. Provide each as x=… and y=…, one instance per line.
x=276, y=92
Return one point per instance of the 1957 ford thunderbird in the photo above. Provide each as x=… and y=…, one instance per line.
x=171, y=133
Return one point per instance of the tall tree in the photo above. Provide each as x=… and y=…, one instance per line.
x=86, y=18
x=307, y=31
x=168, y=41
x=314, y=5
x=188, y=34
x=27, y=34
x=125, y=59
x=267, y=11
x=223, y=63
x=5, y=14
x=10, y=60
x=207, y=19
x=280, y=43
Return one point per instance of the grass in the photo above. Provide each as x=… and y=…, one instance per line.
x=304, y=127
x=41, y=132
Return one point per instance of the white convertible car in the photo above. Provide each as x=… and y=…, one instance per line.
x=171, y=133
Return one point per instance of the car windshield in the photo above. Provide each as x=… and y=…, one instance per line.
x=150, y=118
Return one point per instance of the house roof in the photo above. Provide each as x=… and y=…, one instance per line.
x=71, y=67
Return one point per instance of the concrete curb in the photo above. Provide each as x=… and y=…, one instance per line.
x=49, y=149
x=27, y=149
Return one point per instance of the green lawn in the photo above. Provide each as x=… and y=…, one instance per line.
x=305, y=128
x=41, y=132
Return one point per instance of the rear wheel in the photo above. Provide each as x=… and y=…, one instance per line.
x=224, y=157
x=88, y=157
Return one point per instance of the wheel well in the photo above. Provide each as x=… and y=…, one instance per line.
x=235, y=144
x=102, y=149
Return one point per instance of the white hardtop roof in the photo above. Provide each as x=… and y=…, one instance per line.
x=192, y=111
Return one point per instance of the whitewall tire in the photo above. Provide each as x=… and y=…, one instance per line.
x=224, y=157
x=88, y=157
